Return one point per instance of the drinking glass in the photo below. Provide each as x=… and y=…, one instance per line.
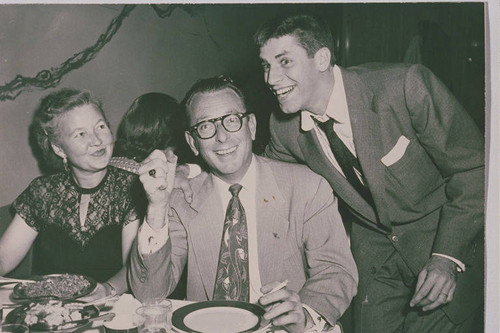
x=157, y=316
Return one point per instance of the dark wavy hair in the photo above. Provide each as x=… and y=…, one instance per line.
x=45, y=124
x=153, y=121
x=311, y=33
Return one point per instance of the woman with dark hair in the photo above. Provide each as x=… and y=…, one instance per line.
x=81, y=219
x=153, y=121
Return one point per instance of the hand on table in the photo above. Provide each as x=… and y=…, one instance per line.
x=283, y=308
x=436, y=284
x=99, y=292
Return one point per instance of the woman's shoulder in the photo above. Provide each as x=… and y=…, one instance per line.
x=42, y=192
x=48, y=181
x=120, y=181
x=122, y=175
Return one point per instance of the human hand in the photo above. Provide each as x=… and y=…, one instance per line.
x=436, y=284
x=283, y=307
x=154, y=175
x=99, y=292
x=182, y=181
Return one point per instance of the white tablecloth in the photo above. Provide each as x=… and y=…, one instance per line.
x=126, y=304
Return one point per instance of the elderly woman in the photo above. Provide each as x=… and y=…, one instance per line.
x=81, y=219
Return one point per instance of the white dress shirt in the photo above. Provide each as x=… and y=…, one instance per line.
x=338, y=110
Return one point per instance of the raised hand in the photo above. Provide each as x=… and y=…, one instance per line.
x=157, y=176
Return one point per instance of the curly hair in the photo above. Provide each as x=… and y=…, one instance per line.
x=153, y=121
x=45, y=124
x=310, y=32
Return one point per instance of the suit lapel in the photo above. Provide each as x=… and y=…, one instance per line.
x=205, y=229
x=320, y=164
x=271, y=226
x=367, y=137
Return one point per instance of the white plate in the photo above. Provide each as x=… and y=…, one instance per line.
x=219, y=317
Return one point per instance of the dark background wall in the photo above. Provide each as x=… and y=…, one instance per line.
x=150, y=53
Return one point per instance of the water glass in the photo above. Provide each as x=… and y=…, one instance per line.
x=157, y=316
x=14, y=328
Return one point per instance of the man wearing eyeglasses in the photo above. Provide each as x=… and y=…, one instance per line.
x=252, y=224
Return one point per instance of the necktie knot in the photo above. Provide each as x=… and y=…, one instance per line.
x=235, y=189
x=326, y=126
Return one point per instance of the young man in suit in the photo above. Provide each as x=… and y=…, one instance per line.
x=281, y=223
x=405, y=158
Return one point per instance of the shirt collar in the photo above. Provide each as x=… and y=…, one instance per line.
x=248, y=181
x=336, y=108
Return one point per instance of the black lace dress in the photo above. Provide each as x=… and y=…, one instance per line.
x=51, y=206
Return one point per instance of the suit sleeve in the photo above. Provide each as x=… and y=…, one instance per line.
x=275, y=148
x=157, y=274
x=456, y=146
x=333, y=276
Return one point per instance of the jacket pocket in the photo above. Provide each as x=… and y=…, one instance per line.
x=415, y=173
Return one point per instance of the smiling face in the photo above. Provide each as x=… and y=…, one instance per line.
x=227, y=154
x=85, y=139
x=292, y=75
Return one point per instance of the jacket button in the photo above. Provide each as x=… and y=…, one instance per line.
x=395, y=238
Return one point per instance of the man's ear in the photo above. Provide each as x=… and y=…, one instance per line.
x=58, y=151
x=191, y=142
x=322, y=59
x=252, y=125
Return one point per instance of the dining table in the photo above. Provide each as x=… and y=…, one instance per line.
x=126, y=304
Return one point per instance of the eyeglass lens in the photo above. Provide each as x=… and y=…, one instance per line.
x=230, y=122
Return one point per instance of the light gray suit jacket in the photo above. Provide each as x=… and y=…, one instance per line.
x=300, y=238
x=431, y=200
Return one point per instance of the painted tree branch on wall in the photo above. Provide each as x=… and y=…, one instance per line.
x=50, y=78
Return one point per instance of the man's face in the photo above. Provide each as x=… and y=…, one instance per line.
x=228, y=154
x=290, y=73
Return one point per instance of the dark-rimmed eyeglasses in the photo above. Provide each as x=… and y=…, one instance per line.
x=206, y=129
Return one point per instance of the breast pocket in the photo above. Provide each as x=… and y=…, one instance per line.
x=415, y=173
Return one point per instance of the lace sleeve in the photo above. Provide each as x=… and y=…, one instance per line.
x=29, y=204
x=129, y=193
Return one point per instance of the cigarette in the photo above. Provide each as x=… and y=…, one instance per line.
x=279, y=286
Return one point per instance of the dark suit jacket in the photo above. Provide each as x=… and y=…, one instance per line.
x=431, y=200
x=300, y=238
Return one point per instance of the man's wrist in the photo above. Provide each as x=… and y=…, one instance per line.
x=109, y=289
x=309, y=322
x=156, y=216
x=460, y=266
x=314, y=322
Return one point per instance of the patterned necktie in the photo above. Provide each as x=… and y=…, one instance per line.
x=232, y=281
x=347, y=161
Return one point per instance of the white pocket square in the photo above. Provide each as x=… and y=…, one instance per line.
x=396, y=152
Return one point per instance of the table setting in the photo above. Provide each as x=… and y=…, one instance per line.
x=36, y=305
